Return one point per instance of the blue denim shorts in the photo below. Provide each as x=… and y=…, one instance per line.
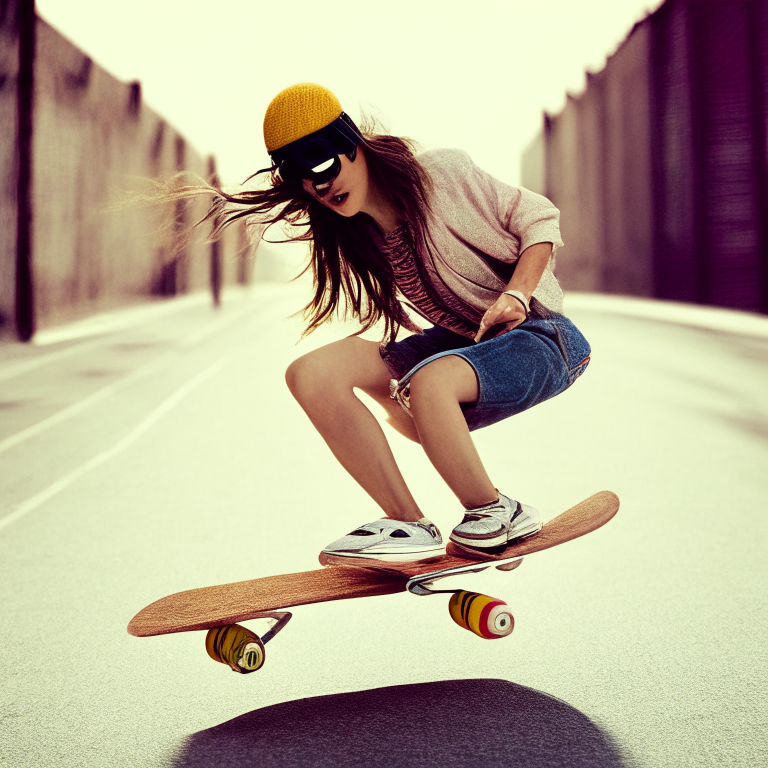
x=539, y=359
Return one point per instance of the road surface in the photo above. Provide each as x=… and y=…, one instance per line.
x=158, y=450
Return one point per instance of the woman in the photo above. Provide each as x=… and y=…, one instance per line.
x=470, y=254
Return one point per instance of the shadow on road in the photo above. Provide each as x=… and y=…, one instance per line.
x=448, y=724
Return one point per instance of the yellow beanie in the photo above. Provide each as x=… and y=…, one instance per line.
x=298, y=111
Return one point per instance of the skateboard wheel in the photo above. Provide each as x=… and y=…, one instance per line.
x=487, y=617
x=236, y=646
x=510, y=566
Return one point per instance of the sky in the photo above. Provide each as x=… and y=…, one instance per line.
x=476, y=75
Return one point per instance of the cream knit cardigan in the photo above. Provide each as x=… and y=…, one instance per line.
x=481, y=224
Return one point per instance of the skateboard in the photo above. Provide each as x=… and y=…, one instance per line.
x=218, y=609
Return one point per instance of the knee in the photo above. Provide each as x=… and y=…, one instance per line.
x=305, y=378
x=316, y=377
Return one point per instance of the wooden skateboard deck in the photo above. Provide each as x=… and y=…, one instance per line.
x=229, y=603
x=226, y=604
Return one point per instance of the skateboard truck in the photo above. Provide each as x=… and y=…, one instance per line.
x=488, y=617
x=277, y=620
x=422, y=584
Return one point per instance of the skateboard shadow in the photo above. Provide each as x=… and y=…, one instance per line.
x=447, y=724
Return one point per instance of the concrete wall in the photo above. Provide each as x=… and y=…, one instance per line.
x=94, y=139
x=562, y=176
x=9, y=72
x=575, y=149
x=676, y=264
x=533, y=166
x=660, y=168
x=598, y=172
x=588, y=236
x=628, y=205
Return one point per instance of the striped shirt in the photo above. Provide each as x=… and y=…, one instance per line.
x=448, y=311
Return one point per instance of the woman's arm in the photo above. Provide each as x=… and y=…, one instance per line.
x=528, y=271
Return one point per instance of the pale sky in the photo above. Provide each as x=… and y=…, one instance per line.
x=475, y=75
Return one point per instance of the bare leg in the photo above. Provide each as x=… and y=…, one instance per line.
x=323, y=382
x=437, y=390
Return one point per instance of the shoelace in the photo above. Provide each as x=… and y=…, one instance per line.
x=480, y=515
x=431, y=529
x=379, y=531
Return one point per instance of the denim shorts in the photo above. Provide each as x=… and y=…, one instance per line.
x=537, y=360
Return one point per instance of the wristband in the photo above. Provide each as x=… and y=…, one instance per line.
x=520, y=296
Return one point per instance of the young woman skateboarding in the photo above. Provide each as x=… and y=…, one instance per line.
x=471, y=255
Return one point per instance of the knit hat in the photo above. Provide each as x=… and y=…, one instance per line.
x=298, y=111
x=306, y=131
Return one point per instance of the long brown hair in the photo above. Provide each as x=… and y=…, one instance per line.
x=350, y=273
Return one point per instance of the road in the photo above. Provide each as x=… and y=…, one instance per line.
x=144, y=457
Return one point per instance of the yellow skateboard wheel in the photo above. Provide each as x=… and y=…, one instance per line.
x=236, y=646
x=486, y=616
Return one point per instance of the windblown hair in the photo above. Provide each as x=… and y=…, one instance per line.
x=350, y=273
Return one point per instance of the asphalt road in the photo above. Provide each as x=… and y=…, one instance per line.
x=160, y=451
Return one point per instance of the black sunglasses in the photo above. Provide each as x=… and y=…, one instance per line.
x=316, y=157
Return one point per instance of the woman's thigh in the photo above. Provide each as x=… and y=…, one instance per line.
x=345, y=364
x=451, y=374
x=342, y=366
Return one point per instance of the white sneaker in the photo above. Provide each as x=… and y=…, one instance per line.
x=496, y=524
x=390, y=540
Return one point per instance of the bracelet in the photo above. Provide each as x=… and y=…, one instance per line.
x=520, y=296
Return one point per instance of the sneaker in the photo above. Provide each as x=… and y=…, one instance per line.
x=391, y=541
x=496, y=524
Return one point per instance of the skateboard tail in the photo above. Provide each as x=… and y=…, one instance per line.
x=218, y=606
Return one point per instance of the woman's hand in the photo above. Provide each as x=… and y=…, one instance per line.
x=506, y=309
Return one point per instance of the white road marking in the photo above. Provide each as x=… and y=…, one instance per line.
x=40, y=498
x=119, y=320
x=78, y=407
x=107, y=323
x=11, y=370
x=109, y=389
x=222, y=322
